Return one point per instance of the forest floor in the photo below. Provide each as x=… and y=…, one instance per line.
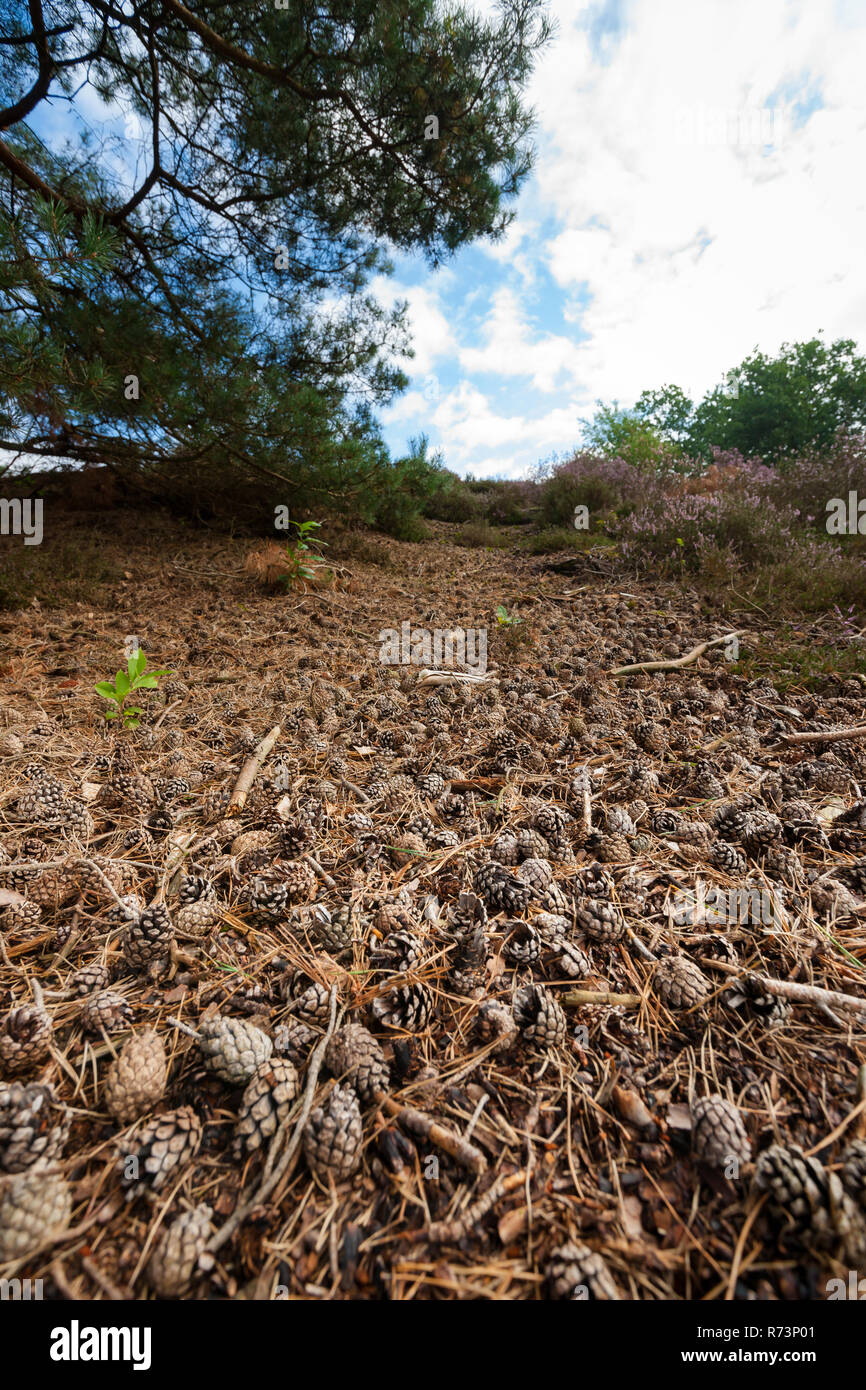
x=608, y=932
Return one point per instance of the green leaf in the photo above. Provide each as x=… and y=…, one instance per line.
x=105, y=688
x=147, y=682
x=160, y=673
x=121, y=683
x=132, y=709
x=112, y=714
x=140, y=662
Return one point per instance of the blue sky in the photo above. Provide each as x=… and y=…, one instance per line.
x=698, y=192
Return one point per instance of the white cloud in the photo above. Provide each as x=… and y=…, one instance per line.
x=693, y=253
x=432, y=337
x=510, y=349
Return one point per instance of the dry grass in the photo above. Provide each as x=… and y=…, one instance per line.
x=578, y=1158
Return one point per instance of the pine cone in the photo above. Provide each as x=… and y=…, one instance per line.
x=25, y=1037
x=540, y=1017
x=505, y=850
x=233, y=1048
x=501, y=890
x=601, y=920
x=335, y=932
x=299, y=881
x=552, y=822
x=355, y=1057
x=267, y=899
x=197, y=918
x=195, y=888
x=90, y=979
x=431, y=786
x=129, y=909
x=266, y=1103
x=34, y=1207
x=153, y=1154
x=537, y=873
x=854, y=1171
x=522, y=944
x=294, y=1041
x=333, y=1135
x=575, y=1272
x=33, y=1128
x=409, y=1007
x=728, y=858
x=496, y=1022
x=571, y=960
x=106, y=1011
x=769, y=1009
x=136, y=1079
x=809, y=1203
x=310, y=1001
x=679, y=983
x=149, y=937
x=718, y=1133
x=666, y=823
x=175, y=1259
x=531, y=844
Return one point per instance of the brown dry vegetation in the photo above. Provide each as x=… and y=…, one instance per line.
x=588, y=1139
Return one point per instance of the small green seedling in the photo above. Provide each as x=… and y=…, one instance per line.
x=135, y=677
x=304, y=554
x=504, y=619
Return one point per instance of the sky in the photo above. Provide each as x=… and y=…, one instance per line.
x=698, y=192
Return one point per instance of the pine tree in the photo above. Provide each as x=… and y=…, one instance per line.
x=194, y=295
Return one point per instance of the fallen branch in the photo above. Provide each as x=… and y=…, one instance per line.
x=591, y=996
x=440, y=1232
x=424, y=1128
x=250, y=770
x=801, y=994
x=824, y=736
x=675, y=665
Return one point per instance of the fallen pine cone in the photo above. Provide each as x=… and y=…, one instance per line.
x=154, y=1153
x=34, y=1208
x=233, y=1048
x=575, y=1272
x=106, y=1011
x=267, y=1100
x=333, y=1135
x=354, y=1056
x=25, y=1038
x=136, y=1079
x=179, y=1252
x=33, y=1128
x=718, y=1134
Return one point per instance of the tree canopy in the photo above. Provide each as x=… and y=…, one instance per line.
x=770, y=408
x=187, y=279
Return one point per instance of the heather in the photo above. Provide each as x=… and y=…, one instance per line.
x=730, y=521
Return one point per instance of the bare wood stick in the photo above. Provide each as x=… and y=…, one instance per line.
x=452, y=1231
x=680, y=660
x=789, y=989
x=591, y=996
x=445, y=1139
x=250, y=770
x=641, y=949
x=325, y=877
x=823, y=736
